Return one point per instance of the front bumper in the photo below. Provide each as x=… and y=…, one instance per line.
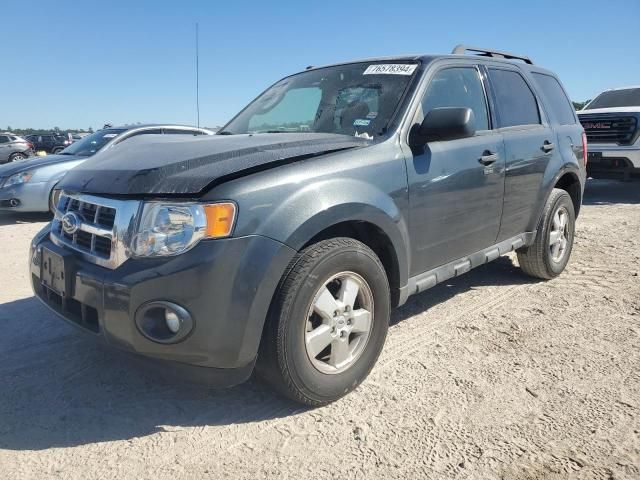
x=30, y=197
x=613, y=161
x=226, y=285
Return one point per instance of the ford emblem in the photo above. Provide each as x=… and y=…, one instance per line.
x=71, y=223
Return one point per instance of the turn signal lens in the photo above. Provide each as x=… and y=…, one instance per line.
x=220, y=218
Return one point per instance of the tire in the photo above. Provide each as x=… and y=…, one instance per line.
x=549, y=254
x=16, y=157
x=56, y=150
x=287, y=359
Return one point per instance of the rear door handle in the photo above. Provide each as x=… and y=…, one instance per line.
x=547, y=146
x=488, y=157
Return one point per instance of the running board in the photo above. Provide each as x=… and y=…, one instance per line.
x=429, y=279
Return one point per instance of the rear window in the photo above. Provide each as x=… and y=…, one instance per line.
x=625, y=97
x=516, y=102
x=561, y=108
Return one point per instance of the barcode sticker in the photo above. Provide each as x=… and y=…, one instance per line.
x=390, y=69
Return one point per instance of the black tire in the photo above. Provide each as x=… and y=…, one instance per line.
x=537, y=259
x=16, y=157
x=283, y=362
x=56, y=150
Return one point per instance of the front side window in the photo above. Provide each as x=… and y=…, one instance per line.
x=516, y=103
x=457, y=87
x=354, y=99
x=179, y=131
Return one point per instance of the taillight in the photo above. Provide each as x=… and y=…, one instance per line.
x=584, y=148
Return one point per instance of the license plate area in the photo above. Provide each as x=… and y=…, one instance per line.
x=55, y=272
x=595, y=157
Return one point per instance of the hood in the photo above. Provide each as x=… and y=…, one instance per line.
x=174, y=165
x=610, y=110
x=34, y=162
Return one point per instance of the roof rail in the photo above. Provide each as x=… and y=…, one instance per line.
x=483, y=52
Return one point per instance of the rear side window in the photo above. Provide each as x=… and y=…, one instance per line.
x=457, y=87
x=516, y=103
x=561, y=107
x=4, y=139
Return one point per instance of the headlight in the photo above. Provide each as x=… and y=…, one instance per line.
x=18, y=178
x=171, y=229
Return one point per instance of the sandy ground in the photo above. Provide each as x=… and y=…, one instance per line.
x=493, y=375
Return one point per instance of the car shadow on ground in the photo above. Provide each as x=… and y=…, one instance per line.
x=10, y=218
x=61, y=388
x=608, y=192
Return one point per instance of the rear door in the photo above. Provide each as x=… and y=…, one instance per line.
x=455, y=198
x=530, y=145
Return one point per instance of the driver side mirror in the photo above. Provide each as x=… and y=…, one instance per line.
x=443, y=123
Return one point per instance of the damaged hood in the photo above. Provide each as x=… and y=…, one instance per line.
x=173, y=165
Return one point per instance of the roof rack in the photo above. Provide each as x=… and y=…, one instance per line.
x=483, y=52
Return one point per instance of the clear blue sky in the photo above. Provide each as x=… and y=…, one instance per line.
x=81, y=64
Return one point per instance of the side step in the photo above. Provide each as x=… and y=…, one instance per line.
x=429, y=279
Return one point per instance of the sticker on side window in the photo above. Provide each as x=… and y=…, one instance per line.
x=361, y=122
x=390, y=69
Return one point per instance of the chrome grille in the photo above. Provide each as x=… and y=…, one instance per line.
x=610, y=129
x=102, y=230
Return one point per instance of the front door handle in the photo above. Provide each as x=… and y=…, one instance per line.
x=488, y=157
x=547, y=146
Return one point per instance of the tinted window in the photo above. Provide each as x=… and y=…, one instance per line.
x=153, y=131
x=625, y=97
x=516, y=103
x=457, y=87
x=561, y=107
x=4, y=139
x=92, y=143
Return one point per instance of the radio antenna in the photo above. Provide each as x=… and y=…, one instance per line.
x=197, y=78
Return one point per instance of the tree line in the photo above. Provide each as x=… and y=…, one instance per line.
x=41, y=131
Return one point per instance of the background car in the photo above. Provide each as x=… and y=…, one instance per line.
x=28, y=186
x=51, y=142
x=14, y=148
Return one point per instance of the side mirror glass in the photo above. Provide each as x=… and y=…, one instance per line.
x=444, y=123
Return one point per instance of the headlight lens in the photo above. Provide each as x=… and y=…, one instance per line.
x=18, y=178
x=171, y=229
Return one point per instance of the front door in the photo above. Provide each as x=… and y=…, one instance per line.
x=456, y=187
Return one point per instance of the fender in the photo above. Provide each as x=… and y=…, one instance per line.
x=571, y=168
x=321, y=205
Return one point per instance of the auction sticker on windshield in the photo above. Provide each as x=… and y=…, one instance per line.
x=390, y=69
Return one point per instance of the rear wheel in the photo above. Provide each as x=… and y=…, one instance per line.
x=550, y=252
x=328, y=322
x=16, y=157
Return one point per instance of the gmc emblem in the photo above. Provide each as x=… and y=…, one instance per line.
x=596, y=125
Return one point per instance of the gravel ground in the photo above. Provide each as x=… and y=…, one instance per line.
x=492, y=375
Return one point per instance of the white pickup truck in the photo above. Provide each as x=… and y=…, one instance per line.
x=612, y=124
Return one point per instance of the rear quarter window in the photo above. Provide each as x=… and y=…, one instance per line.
x=556, y=100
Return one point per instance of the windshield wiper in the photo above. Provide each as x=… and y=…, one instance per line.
x=225, y=132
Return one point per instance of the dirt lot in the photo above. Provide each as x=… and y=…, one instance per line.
x=492, y=375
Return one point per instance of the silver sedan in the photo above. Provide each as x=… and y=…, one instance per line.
x=27, y=186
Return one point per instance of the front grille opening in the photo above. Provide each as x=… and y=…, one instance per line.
x=83, y=239
x=106, y=217
x=607, y=129
x=70, y=308
x=103, y=246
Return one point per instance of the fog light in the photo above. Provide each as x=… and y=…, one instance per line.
x=164, y=322
x=173, y=322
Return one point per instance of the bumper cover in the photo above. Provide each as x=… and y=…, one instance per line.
x=226, y=285
x=32, y=197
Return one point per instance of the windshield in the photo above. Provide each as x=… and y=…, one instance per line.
x=627, y=97
x=92, y=143
x=355, y=99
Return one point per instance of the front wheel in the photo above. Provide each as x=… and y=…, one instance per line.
x=327, y=324
x=550, y=252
